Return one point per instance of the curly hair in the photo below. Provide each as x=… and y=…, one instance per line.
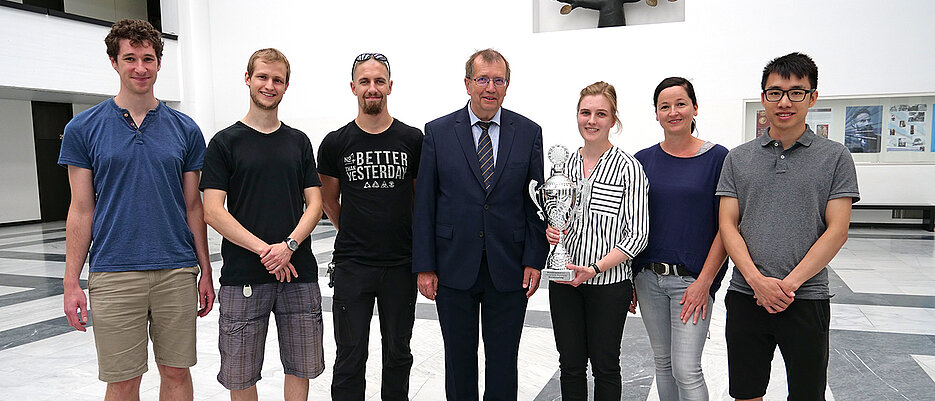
x=139, y=32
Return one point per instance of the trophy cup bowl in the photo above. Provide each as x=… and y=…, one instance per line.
x=557, y=200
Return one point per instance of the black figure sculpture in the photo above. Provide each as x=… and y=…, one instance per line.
x=611, y=11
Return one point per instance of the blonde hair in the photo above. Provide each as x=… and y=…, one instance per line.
x=269, y=56
x=608, y=91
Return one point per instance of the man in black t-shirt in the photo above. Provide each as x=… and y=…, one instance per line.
x=266, y=171
x=367, y=170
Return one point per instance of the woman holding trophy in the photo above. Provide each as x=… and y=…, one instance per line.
x=682, y=267
x=588, y=312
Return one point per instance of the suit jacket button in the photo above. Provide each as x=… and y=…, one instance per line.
x=480, y=234
x=486, y=207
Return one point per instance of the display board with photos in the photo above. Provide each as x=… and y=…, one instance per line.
x=876, y=129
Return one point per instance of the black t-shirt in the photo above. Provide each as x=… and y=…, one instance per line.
x=376, y=173
x=265, y=176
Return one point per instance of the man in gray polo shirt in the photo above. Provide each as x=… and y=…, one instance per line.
x=784, y=212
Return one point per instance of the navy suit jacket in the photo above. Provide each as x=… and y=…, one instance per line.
x=454, y=218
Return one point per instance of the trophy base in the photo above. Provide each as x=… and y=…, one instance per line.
x=558, y=274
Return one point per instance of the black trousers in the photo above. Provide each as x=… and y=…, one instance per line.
x=356, y=287
x=501, y=315
x=800, y=331
x=588, y=325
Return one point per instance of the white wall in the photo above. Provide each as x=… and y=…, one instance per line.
x=722, y=47
x=196, y=64
x=19, y=197
x=40, y=52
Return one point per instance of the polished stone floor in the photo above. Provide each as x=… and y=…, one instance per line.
x=882, y=338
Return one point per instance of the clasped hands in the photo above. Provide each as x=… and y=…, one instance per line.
x=773, y=294
x=276, y=260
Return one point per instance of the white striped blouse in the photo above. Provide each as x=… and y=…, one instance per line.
x=615, y=213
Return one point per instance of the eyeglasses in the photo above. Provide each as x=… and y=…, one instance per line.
x=484, y=81
x=376, y=56
x=795, y=95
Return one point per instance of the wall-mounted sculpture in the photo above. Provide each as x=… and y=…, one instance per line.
x=611, y=11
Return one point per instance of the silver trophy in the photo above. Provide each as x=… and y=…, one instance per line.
x=559, y=203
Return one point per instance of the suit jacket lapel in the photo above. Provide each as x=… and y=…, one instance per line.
x=503, y=153
x=466, y=138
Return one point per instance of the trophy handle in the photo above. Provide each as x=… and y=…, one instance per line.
x=581, y=198
x=533, y=194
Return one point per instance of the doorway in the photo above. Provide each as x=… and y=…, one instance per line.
x=48, y=122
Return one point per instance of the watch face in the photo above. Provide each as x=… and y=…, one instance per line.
x=292, y=244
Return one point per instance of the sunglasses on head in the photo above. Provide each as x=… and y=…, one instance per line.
x=376, y=56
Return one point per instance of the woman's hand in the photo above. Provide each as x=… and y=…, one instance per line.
x=633, y=302
x=582, y=274
x=551, y=234
x=695, y=302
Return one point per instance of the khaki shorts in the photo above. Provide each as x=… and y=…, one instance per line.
x=127, y=305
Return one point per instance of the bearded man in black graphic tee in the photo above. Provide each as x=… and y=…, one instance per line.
x=368, y=172
x=376, y=173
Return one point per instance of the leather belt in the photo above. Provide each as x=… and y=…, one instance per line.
x=668, y=269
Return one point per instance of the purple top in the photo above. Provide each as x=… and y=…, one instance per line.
x=682, y=208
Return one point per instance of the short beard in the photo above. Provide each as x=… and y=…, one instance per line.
x=256, y=101
x=372, y=108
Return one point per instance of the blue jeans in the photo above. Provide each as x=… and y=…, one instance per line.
x=676, y=346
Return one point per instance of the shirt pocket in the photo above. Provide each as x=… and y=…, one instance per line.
x=606, y=199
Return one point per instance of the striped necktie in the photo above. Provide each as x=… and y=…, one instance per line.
x=485, y=153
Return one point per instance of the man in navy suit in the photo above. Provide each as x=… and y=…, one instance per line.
x=478, y=244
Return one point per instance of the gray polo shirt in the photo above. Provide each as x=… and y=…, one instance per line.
x=782, y=195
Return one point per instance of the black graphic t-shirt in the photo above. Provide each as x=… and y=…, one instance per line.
x=265, y=176
x=376, y=173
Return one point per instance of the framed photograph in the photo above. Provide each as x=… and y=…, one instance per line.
x=862, y=127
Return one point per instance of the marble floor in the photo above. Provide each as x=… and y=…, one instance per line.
x=882, y=331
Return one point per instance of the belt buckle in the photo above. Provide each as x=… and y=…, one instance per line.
x=664, y=270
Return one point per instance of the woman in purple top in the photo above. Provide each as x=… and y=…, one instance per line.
x=682, y=267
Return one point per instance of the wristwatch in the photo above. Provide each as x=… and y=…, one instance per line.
x=596, y=269
x=291, y=243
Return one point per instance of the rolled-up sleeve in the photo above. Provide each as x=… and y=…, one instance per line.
x=634, y=235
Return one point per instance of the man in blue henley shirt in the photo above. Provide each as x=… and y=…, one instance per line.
x=134, y=166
